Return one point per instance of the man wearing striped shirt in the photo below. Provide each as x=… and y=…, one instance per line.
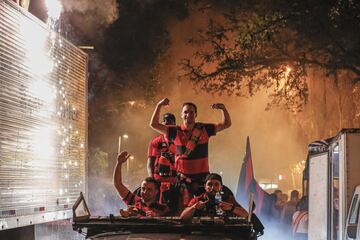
x=191, y=139
x=160, y=145
x=144, y=204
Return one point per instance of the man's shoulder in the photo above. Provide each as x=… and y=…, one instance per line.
x=157, y=138
x=131, y=198
x=208, y=127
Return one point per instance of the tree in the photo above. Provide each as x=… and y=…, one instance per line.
x=272, y=45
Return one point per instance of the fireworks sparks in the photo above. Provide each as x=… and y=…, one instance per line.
x=54, y=9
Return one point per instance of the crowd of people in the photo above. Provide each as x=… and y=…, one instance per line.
x=288, y=216
x=179, y=182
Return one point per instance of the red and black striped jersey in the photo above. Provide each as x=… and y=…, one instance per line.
x=196, y=163
x=155, y=209
x=161, y=146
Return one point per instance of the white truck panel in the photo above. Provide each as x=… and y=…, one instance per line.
x=43, y=120
x=318, y=216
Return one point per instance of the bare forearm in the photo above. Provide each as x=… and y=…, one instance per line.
x=150, y=166
x=155, y=120
x=120, y=187
x=225, y=121
x=188, y=212
x=240, y=212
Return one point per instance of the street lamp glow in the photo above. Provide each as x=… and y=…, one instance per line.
x=281, y=177
x=125, y=136
x=128, y=163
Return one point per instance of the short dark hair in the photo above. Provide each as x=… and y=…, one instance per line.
x=303, y=204
x=215, y=176
x=169, y=117
x=154, y=181
x=277, y=191
x=294, y=193
x=190, y=104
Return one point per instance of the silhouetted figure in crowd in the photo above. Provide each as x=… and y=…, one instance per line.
x=288, y=211
x=278, y=205
x=300, y=220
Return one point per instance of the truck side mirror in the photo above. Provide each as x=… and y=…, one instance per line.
x=351, y=231
x=353, y=216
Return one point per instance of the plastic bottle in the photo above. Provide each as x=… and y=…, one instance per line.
x=218, y=200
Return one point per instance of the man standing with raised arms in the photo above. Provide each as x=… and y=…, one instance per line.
x=191, y=139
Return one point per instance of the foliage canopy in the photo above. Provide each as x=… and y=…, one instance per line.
x=272, y=45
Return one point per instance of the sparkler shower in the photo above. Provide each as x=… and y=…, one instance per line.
x=43, y=125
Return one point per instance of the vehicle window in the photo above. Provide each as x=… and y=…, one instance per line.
x=354, y=211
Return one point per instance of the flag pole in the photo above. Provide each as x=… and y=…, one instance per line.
x=251, y=203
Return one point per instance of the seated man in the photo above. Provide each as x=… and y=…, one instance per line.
x=146, y=203
x=209, y=204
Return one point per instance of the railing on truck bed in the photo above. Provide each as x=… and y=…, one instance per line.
x=159, y=227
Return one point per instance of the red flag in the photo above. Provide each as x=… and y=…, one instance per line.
x=247, y=184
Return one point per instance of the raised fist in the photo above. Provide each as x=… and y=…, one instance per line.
x=122, y=157
x=218, y=106
x=164, y=102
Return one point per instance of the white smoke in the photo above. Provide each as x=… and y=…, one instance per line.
x=91, y=17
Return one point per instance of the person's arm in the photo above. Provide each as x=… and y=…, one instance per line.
x=120, y=187
x=189, y=211
x=155, y=119
x=226, y=120
x=151, y=159
x=240, y=212
x=150, y=166
x=233, y=207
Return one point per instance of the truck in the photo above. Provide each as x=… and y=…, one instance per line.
x=331, y=183
x=43, y=121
